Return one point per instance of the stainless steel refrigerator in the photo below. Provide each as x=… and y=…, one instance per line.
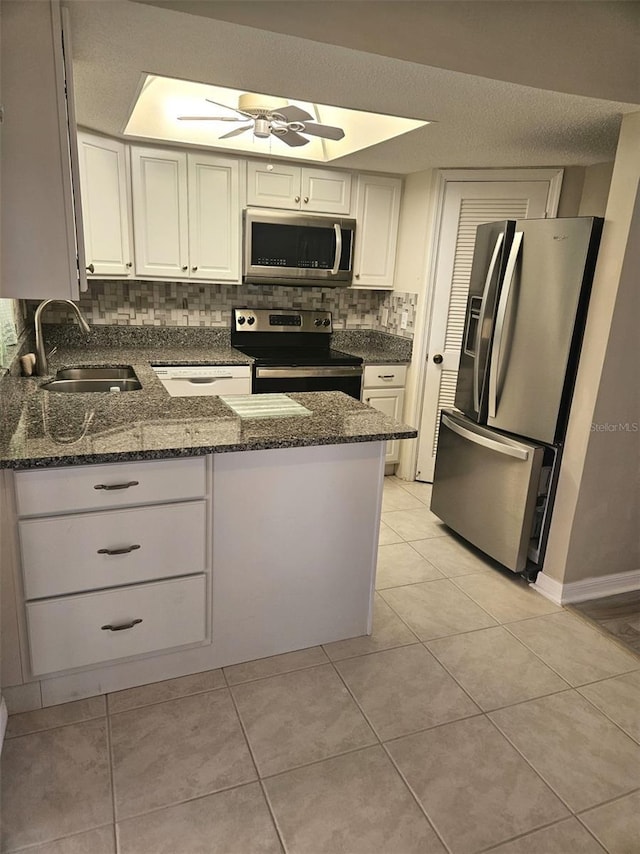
x=499, y=450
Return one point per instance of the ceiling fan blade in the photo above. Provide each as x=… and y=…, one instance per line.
x=291, y=138
x=293, y=113
x=227, y=107
x=325, y=131
x=235, y=132
x=210, y=119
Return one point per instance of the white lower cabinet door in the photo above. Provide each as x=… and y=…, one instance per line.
x=391, y=402
x=70, y=554
x=76, y=631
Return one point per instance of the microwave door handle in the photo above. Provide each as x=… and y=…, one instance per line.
x=483, y=310
x=336, y=260
x=496, y=350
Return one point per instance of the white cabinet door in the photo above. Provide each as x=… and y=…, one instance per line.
x=160, y=212
x=278, y=187
x=214, y=218
x=42, y=249
x=377, y=216
x=298, y=188
x=105, y=206
x=324, y=191
x=391, y=402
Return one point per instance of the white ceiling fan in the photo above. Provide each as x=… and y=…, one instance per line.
x=271, y=116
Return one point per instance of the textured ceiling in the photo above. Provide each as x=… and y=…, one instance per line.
x=478, y=122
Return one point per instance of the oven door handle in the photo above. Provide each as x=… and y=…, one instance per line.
x=336, y=260
x=315, y=371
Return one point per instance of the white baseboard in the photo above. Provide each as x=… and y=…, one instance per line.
x=590, y=588
x=4, y=716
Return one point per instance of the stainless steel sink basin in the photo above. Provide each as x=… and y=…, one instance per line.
x=101, y=379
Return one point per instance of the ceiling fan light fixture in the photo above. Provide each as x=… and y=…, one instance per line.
x=261, y=128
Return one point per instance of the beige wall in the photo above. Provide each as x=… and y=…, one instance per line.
x=596, y=518
x=595, y=193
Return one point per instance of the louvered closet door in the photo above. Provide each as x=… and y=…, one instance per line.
x=466, y=206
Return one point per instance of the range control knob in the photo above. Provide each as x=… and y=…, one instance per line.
x=240, y=320
x=251, y=320
x=318, y=321
x=326, y=321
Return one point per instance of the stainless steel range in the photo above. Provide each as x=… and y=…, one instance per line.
x=291, y=351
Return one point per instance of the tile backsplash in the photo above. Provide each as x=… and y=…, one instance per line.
x=143, y=303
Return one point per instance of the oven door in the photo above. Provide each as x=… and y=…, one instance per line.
x=346, y=378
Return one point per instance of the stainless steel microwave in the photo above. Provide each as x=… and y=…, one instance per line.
x=288, y=248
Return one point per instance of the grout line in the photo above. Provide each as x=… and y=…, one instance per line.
x=525, y=835
x=112, y=782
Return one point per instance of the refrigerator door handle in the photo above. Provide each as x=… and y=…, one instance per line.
x=493, y=444
x=483, y=309
x=496, y=351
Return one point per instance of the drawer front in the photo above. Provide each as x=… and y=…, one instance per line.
x=77, y=488
x=184, y=387
x=70, y=554
x=378, y=376
x=66, y=633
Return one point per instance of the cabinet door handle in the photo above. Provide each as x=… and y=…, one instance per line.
x=306, y=200
x=120, y=628
x=129, y=264
x=297, y=199
x=185, y=267
x=117, y=485
x=122, y=551
x=194, y=269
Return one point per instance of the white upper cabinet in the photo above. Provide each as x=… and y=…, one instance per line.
x=377, y=217
x=214, y=217
x=105, y=206
x=186, y=211
x=298, y=188
x=42, y=252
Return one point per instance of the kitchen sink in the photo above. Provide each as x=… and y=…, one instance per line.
x=103, y=378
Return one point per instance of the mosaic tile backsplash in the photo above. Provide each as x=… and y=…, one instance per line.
x=141, y=303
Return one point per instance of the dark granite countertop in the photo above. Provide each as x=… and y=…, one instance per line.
x=40, y=428
x=375, y=348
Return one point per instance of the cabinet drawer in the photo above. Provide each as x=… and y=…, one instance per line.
x=68, y=632
x=77, y=488
x=378, y=376
x=69, y=554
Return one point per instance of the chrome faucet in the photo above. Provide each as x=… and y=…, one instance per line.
x=41, y=355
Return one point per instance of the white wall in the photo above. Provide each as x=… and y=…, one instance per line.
x=596, y=522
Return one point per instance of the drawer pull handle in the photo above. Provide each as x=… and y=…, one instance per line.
x=386, y=376
x=123, y=551
x=116, y=485
x=121, y=628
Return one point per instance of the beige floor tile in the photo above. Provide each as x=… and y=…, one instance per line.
x=420, y=490
x=566, y=837
x=619, y=699
x=505, y=597
x=170, y=689
x=388, y=631
x=453, y=557
x=436, y=609
x=54, y=716
x=300, y=717
x=400, y=564
x=404, y=690
x=396, y=498
x=414, y=524
x=55, y=783
x=354, y=804
x=575, y=650
x=388, y=536
x=102, y=840
x=475, y=788
x=617, y=824
x=232, y=822
x=275, y=664
x=581, y=754
x=177, y=750
x=495, y=668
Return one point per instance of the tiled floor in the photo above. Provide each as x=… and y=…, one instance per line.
x=477, y=717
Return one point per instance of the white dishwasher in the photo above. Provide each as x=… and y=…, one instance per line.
x=201, y=380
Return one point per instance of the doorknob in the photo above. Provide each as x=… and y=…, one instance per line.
x=437, y=359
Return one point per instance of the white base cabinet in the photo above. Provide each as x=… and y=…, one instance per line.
x=383, y=389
